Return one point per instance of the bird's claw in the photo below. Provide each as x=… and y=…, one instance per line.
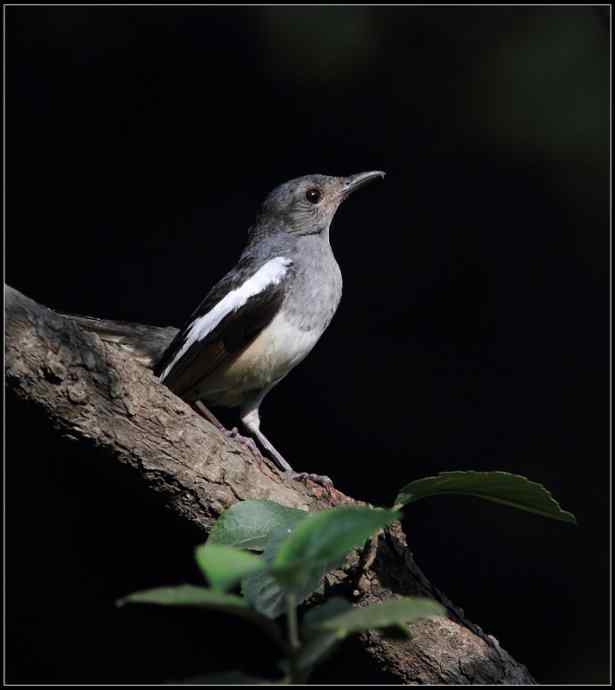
x=321, y=479
x=246, y=440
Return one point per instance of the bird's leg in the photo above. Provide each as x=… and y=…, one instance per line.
x=206, y=413
x=251, y=421
x=200, y=407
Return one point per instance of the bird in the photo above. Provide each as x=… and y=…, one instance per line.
x=261, y=319
x=265, y=315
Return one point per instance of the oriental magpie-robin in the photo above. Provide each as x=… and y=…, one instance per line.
x=264, y=316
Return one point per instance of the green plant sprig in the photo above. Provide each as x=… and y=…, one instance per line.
x=279, y=555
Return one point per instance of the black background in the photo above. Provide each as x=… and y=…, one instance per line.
x=473, y=332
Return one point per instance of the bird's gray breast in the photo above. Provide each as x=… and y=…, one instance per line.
x=311, y=300
x=316, y=289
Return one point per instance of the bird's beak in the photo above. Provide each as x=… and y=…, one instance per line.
x=353, y=182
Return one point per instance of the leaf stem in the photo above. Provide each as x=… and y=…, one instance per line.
x=291, y=618
x=293, y=637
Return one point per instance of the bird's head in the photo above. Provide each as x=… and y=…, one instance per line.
x=306, y=205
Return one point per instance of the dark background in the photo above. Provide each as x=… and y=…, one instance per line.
x=473, y=332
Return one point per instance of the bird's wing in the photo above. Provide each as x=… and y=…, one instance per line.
x=232, y=314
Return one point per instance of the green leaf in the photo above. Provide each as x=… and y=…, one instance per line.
x=331, y=607
x=325, y=626
x=322, y=539
x=249, y=524
x=317, y=643
x=225, y=566
x=265, y=593
x=499, y=487
x=315, y=650
x=188, y=595
x=384, y=615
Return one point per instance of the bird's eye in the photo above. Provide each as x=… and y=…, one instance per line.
x=313, y=195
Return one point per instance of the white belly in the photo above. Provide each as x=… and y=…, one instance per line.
x=275, y=351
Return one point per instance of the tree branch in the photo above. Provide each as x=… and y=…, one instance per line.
x=99, y=393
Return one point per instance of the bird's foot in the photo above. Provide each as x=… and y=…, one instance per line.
x=318, y=478
x=247, y=441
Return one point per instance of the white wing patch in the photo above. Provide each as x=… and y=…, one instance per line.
x=270, y=273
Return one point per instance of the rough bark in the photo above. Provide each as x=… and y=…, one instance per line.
x=99, y=394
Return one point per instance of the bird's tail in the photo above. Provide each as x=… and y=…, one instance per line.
x=146, y=343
